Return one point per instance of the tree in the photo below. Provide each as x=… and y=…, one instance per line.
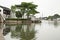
x=25, y=8
x=13, y=8
x=29, y=8
x=18, y=14
x=56, y=16
x=50, y=17
x=22, y=9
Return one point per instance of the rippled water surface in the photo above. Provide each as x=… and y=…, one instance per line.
x=47, y=30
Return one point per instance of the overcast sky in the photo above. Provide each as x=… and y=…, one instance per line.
x=45, y=7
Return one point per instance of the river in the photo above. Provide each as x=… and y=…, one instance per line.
x=47, y=30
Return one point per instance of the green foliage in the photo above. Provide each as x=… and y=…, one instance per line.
x=54, y=17
x=15, y=19
x=29, y=8
x=13, y=8
x=28, y=5
x=32, y=12
x=50, y=17
x=22, y=33
x=25, y=8
x=18, y=14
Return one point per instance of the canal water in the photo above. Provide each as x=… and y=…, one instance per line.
x=47, y=30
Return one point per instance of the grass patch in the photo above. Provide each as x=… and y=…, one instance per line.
x=16, y=19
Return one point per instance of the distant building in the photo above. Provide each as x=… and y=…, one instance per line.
x=4, y=13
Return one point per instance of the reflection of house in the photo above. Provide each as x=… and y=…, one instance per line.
x=1, y=32
x=4, y=13
x=6, y=30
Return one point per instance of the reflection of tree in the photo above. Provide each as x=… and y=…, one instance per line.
x=55, y=24
x=16, y=32
x=25, y=32
x=28, y=34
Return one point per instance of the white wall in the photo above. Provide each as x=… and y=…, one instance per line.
x=12, y=15
x=1, y=12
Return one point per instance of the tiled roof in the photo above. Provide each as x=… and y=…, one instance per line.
x=5, y=8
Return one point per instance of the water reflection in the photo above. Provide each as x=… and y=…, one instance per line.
x=1, y=31
x=47, y=30
x=6, y=30
x=55, y=23
x=22, y=31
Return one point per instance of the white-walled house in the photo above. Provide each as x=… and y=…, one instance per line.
x=1, y=14
x=4, y=13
